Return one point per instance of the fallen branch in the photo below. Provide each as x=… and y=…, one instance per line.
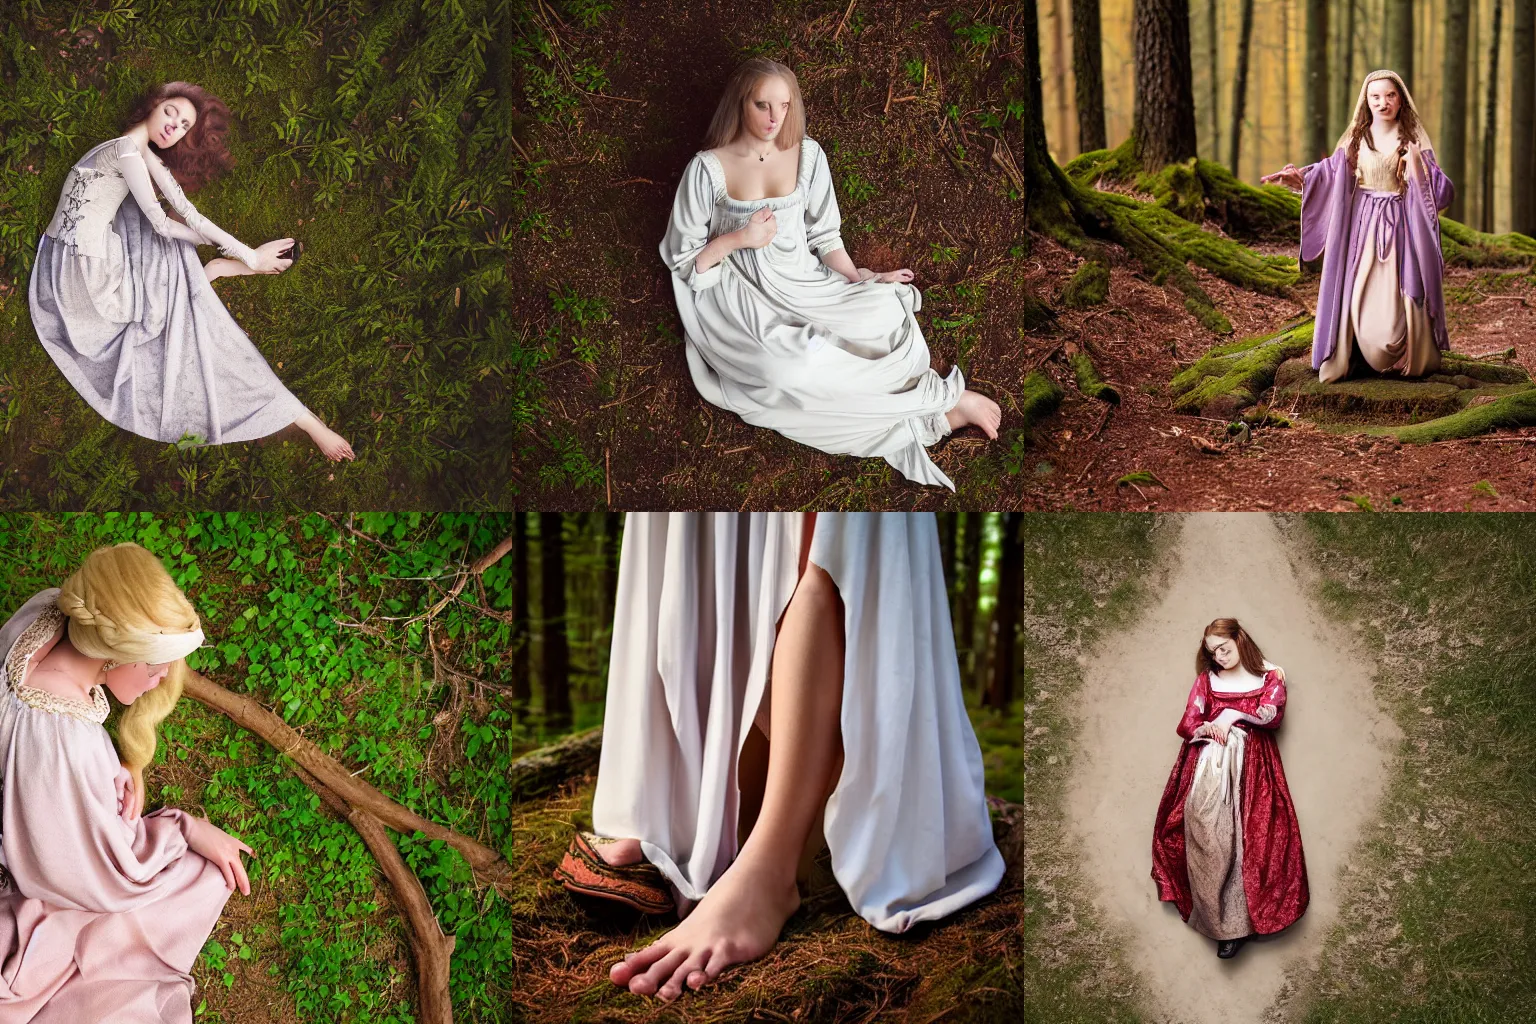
x=489, y=866
x=430, y=948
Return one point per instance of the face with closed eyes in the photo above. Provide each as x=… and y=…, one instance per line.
x=170, y=120
x=130, y=682
x=766, y=108
x=1223, y=650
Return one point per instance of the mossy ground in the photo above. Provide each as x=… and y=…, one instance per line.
x=1435, y=924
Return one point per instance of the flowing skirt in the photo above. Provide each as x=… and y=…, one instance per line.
x=145, y=340
x=64, y=966
x=700, y=597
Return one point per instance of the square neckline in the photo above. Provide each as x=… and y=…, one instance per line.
x=719, y=169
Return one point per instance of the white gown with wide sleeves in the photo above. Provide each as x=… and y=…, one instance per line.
x=787, y=343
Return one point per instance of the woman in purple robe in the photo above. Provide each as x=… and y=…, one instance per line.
x=1372, y=211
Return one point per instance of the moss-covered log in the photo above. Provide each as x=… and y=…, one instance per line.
x=1088, y=380
x=1515, y=410
x=1231, y=377
x=1040, y=397
x=1468, y=247
x=1197, y=190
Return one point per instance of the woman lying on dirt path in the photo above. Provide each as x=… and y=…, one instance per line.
x=125, y=309
x=776, y=679
x=1226, y=847
x=782, y=329
x=102, y=910
x=1372, y=210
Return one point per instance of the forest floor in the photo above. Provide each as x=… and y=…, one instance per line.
x=1411, y=716
x=893, y=99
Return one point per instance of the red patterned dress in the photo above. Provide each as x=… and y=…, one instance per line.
x=1235, y=864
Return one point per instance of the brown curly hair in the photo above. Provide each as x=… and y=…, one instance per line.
x=1407, y=131
x=203, y=153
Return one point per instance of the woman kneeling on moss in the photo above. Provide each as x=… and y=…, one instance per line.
x=1372, y=210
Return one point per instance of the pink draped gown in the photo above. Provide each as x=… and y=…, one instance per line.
x=100, y=920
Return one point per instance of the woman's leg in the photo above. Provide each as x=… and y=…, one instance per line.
x=740, y=917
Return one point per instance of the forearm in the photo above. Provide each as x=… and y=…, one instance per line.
x=717, y=250
x=839, y=260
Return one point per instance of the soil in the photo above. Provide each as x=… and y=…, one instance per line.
x=954, y=223
x=1335, y=745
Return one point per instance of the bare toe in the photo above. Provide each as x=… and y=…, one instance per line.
x=674, y=985
x=634, y=964
x=651, y=981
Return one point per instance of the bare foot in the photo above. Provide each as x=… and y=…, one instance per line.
x=975, y=410
x=331, y=444
x=738, y=920
x=620, y=853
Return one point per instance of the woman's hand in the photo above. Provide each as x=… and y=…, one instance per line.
x=222, y=849
x=1290, y=176
x=1213, y=731
x=267, y=261
x=1415, y=161
x=760, y=230
x=902, y=276
x=130, y=794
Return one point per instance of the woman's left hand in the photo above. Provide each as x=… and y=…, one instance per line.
x=130, y=795
x=1415, y=160
x=902, y=276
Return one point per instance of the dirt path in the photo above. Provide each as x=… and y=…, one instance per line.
x=1335, y=744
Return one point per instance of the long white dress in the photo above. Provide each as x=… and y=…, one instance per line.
x=700, y=596
x=120, y=302
x=787, y=343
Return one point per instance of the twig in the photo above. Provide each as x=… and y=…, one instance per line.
x=608, y=473
x=1103, y=419
x=1079, y=478
x=840, y=24
x=911, y=220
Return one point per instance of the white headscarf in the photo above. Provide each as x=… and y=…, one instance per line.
x=1407, y=103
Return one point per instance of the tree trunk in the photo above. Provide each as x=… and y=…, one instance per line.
x=1059, y=55
x=1344, y=64
x=1088, y=73
x=1522, y=121
x=1491, y=118
x=967, y=598
x=1451, y=145
x=557, y=653
x=1213, y=62
x=1400, y=39
x=1164, y=127
x=1240, y=85
x=522, y=690
x=1317, y=142
x=1005, y=619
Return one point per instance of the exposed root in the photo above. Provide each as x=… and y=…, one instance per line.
x=1516, y=410
x=1231, y=377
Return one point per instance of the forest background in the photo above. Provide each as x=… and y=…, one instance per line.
x=457, y=663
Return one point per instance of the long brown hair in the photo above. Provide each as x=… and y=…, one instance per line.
x=726, y=123
x=1230, y=629
x=1407, y=131
x=203, y=153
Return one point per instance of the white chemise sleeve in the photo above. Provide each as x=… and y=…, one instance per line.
x=688, y=228
x=823, y=221
x=206, y=232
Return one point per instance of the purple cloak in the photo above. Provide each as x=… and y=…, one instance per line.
x=1335, y=216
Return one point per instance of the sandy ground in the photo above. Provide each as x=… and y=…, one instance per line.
x=1335, y=743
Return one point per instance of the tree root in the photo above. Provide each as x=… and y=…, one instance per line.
x=1231, y=377
x=369, y=811
x=1467, y=247
x=1088, y=380
x=1196, y=190
x=1516, y=410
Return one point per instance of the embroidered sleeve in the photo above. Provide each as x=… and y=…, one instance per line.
x=1196, y=709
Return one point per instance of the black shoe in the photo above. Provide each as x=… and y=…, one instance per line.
x=1227, y=948
x=293, y=252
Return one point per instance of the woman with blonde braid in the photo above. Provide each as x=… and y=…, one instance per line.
x=102, y=910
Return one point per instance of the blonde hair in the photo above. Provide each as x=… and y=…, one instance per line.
x=726, y=124
x=120, y=602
